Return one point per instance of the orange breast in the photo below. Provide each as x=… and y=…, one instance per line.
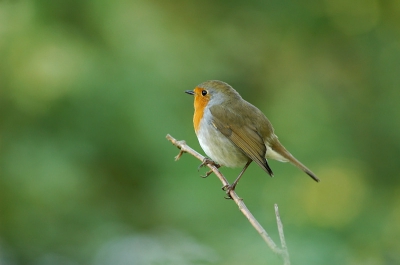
x=200, y=102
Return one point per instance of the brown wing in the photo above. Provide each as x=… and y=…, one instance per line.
x=241, y=132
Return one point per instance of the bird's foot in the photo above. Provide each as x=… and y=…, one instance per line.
x=228, y=188
x=207, y=161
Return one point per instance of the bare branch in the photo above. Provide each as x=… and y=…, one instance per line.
x=285, y=253
x=184, y=148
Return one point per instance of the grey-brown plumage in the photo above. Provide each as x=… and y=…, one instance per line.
x=233, y=132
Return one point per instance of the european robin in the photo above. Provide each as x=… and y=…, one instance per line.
x=233, y=132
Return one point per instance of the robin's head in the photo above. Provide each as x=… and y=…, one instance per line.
x=212, y=92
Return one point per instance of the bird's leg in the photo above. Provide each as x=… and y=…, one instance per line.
x=207, y=161
x=228, y=188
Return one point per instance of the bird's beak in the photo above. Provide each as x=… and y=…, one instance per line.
x=190, y=92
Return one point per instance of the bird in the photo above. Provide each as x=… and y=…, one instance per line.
x=233, y=132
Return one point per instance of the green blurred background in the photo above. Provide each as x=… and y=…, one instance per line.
x=89, y=89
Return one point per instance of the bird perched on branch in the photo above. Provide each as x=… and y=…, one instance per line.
x=233, y=132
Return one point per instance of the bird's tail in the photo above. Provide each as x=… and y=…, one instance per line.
x=281, y=150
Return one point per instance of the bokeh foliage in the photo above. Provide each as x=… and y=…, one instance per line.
x=89, y=89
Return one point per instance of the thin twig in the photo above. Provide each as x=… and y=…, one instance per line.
x=285, y=253
x=184, y=148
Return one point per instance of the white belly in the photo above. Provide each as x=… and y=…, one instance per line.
x=219, y=148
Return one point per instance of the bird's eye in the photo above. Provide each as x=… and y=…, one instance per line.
x=204, y=92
